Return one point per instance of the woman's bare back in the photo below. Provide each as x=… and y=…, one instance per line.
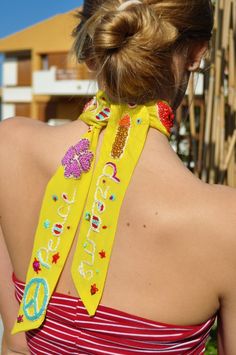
x=171, y=251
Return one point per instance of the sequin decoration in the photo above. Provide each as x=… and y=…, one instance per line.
x=57, y=229
x=100, y=206
x=20, y=318
x=55, y=258
x=95, y=222
x=121, y=137
x=139, y=121
x=102, y=254
x=93, y=289
x=55, y=198
x=112, y=198
x=64, y=196
x=36, y=265
x=87, y=216
x=104, y=114
x=77, y=159
x=166, y=115
x=91, y=105
x=132, y=105
x=46, y=224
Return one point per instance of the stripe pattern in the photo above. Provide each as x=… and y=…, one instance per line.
x=68, y=329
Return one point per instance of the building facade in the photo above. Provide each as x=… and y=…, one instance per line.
x=41, y=78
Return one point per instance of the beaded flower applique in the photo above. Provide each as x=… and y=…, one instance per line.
x=77, y=159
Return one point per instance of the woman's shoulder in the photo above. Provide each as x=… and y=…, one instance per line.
x=218, y=218
x=217, y=210
x=20, y=137
x=223, y=201
x=31, y=152
x=35, y=144
x=206, y=216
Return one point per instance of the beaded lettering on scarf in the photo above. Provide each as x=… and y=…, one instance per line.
x=76, y=163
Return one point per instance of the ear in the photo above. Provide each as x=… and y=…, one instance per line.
x=195, y=54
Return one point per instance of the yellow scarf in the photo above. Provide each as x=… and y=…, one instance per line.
x=80, y=191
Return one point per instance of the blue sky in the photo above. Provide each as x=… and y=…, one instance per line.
x=16, y=15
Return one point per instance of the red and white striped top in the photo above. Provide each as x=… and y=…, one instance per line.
x=68, y=329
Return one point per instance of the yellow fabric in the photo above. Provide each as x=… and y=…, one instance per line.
x=94, y=199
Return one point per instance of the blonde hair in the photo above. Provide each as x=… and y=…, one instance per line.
x=132, y=50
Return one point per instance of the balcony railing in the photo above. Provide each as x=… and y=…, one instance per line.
x=67, y=74
x=61, y=82
x=17, y=94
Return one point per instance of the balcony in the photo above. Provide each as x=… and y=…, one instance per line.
x=17, y=94
x=61, y=82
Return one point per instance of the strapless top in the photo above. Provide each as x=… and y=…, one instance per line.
x=68, y=329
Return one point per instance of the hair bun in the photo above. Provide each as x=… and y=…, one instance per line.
x=131, y=44
x=137, y=25
x=132, y=50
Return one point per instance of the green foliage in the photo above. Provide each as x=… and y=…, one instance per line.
x=211, y=348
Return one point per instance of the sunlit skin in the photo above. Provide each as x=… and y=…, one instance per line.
x=174, y=239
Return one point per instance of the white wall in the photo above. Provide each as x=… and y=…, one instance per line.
x=8, y=110
x=9, y=77
x=45, y=83
x=17, y=94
